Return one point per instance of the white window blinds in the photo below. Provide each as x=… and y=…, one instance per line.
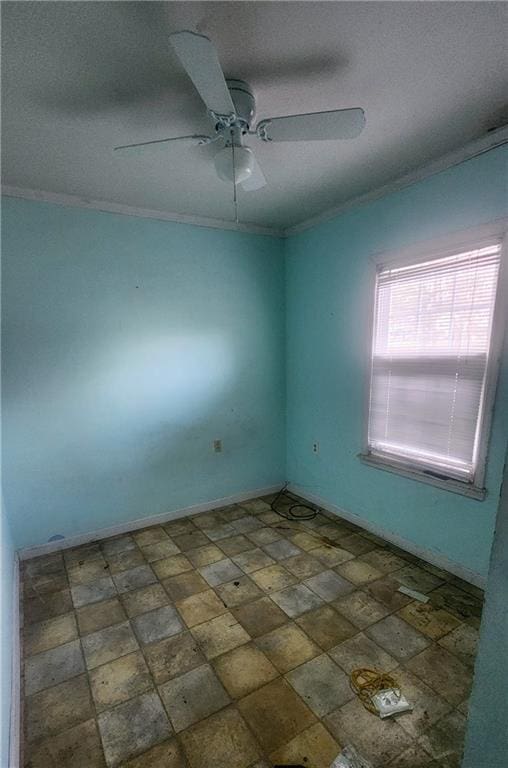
x=432, y=329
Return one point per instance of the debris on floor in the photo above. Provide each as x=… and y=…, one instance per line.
x=379, y=692
x=349, y=758
x=414, y=594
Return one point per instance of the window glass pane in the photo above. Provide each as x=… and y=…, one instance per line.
x=432, y=329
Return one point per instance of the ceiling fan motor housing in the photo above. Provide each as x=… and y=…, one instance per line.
x=244, y=101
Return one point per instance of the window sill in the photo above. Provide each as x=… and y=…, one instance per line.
x=454, y=486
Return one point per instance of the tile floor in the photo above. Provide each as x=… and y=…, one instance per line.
x=227, y=639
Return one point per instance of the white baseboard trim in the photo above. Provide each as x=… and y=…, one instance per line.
x=430, y=556
x=15, y=722
x=142, y=522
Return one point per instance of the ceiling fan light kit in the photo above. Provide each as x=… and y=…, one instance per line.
x=231, y=105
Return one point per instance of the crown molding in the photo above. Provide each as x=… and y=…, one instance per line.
x=489, y=141
x=74, y=201
x=474, y=148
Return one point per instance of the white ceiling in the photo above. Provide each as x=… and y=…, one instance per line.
x=81, y=77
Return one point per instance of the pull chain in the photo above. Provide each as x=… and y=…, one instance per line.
x=235, y=201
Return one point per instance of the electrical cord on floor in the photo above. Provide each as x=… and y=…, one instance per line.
x=289, y=513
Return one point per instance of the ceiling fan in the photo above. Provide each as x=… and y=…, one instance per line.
x=232, y=107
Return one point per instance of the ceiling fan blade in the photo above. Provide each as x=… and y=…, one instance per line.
x=201, y=62
x=256, y=180
x=160, y=144
x=314, y=126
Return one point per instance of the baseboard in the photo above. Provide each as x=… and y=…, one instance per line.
x=15, y=722
x=430, y=556
x=143, y=522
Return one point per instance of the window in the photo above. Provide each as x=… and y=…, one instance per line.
x=431, y=354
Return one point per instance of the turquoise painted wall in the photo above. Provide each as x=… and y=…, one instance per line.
x=328, y=271
x=129, y=345
x=6, y=627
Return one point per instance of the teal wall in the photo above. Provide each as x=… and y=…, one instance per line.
x=6, y=629
x=328, y=278
x=129, y=345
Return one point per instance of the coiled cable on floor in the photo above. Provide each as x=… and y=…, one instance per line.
x=289, y=513
x=367, y=682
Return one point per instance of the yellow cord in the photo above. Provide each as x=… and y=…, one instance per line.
x=366, y=682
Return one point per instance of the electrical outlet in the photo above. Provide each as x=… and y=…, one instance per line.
x=315, y=447
x=217, y=446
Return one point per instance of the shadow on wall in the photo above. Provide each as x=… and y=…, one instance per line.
x=149, y=410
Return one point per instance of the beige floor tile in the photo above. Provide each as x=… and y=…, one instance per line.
x=130, y=729
x=200, y=607
x=44, y=607
x=119, y=680
x=134, y=578
x=464, y=606
x=108, y=644
x=191, y=540
x=326, y=627
x=264, y=536
x=124, y=561
x=321, y=684
x=313, y=747
x=260, y=616
x=142, y=600
x=95, y=592
x=287, y=647
x=193, y=696
x=166, y=755
x=229, y=742
x=443, y=672
x=397, y=637
x=305, y=541
x=414, y=577
x=44, y=584
x=82, y=554
x=179, y=527
x=360, y=608
x=414, y=757
x=78, y=746
x=253, y=560
x=428, y=707
x=385, y=591
x=303, y=566
x=156, y=625
x=184, y=585
x=220, y=572
x=358, y=572
x=117, y=545
x=384, y=560
x=276, y=714
x=361, y=651
x=378, y=740
x=332, y=555
x=159, y=550
x=356, y=544
x=52, y=667
x=242, y=590
x=150, y=536
x=91, y=570
x=445, y=740
x=173, y=656
x=463, y=643
x=433, y=622
x=58, y=708
x=244, y=669
x=273, y=578
x=49, y=634
x=206, y=555
x=235, y=545
x=220, y=635
x=172, y=566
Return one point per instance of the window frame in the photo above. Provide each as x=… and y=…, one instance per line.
x=493, y=233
